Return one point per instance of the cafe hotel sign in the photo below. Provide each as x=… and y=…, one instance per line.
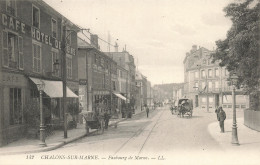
x=18, y=26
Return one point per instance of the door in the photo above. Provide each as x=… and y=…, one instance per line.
x=217, y=100
x=196, y=100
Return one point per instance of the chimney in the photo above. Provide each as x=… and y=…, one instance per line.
x=116, y=47
x=94, y=40
x=194, y=48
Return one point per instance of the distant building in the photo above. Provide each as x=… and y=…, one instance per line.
x=206, y=82
x=100, y=73
x=141, y=87
x=178, y=91
x=126, y=60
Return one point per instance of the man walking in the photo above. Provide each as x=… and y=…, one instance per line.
x=221, y=118
x=147, y=110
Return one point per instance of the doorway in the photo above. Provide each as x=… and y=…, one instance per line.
x=196, y=100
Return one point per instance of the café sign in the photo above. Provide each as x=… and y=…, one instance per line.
x=20, y=27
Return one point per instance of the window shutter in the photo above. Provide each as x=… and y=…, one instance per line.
x=5, y=49
x=21, y=58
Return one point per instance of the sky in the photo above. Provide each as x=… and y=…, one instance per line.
x=158, y=33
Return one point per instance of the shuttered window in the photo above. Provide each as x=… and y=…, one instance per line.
x=36, y=58
x=21, y=57
x=5, y=49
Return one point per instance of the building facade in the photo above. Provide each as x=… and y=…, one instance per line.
x=141, y=90
x=126, y=60
x=32, y=48
x=100, y=74
x=206, y=83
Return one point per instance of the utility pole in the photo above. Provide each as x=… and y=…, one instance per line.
x=64, y=81
x=110, y=76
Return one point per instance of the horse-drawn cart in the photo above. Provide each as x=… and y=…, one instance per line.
x=185, y=107
x=94, y=121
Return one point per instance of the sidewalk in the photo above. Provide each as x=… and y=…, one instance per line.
x=54, y=141
x=249, y=139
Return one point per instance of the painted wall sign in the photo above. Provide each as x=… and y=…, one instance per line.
x=13, y=23
x=18, y=26
x=70, y=50
x=44, y=38
x=13, y=79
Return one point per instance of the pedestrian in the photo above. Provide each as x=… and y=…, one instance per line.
x=217, y=111
x=147, y=110
x=106, y=118
x=221, y=118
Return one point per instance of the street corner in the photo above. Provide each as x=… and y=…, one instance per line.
x=223, y=139
x=248, y=139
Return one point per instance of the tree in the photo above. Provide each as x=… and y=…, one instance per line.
x=239, y=52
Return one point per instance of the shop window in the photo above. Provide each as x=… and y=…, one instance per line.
x=36, y=17
x=54, y=28
x=229, y=106
x=224, y=106
x=11, y=7
x=15, y=103
x=55, y=59
x=36, y=58
x=69, y=67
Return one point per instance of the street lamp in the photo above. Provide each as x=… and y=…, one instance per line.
x=234, y=80
x=40, y=87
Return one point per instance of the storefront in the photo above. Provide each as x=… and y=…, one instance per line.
x=15, y=90
x=52, y=100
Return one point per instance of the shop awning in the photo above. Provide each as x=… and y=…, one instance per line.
x=53, y=88
x=120, y=96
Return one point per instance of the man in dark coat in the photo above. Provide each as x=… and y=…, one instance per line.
x=221, y=118
x=147, y=110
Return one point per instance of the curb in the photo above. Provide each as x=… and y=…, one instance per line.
x=60, y=144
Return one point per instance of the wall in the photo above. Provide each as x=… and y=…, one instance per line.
x=251, y=119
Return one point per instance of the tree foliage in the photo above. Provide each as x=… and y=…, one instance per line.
x=240, y=50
